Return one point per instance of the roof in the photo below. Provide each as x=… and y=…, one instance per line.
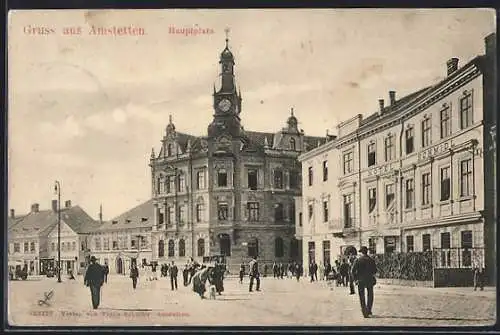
x=138, y=217
x=38, y=222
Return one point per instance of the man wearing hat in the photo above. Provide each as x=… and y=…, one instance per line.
x=254, y=274
x=363, y=272
x=94, y=278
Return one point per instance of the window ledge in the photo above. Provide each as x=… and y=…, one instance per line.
x=408, y=210
x=445, y=202
x=466, y=198
x=426, y=206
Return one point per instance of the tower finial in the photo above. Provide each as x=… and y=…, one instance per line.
x=170, y=118
x=291, y=111
x=227, y=35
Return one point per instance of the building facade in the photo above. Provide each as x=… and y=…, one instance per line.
x=415, y=176
x=33, y=239
x=230, y=192
x=124, y=239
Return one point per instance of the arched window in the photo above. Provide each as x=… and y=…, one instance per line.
x=161, y=248
x=182, y=248
x=278, y=247
x=171, y=250
x=201, y=247
x=294, y=248
x=253, y=248
x=225, y=244
x=169, y=149
x=292, y=144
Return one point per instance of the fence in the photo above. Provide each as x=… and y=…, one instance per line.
x=405, y=266
x=457, y=258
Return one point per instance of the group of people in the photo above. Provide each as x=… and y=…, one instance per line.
x=290, y=270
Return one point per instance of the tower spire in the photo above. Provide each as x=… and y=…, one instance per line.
x=227, y=30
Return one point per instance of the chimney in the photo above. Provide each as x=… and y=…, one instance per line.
x=35, y=208
x=12, y=213
x=392, y=97
x=452, y=65
x=381, y=104
x=54, y=205
x=67, y=204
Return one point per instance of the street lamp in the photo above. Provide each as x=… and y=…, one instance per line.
x=57, y=189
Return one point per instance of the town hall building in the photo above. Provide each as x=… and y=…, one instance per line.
x=230, y=192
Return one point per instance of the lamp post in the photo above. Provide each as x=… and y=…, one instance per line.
x=57, y=188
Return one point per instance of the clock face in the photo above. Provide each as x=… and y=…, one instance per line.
x=224, y=105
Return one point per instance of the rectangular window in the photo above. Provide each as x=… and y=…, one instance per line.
x=300, y=219
x=170, y=184
x=445, y=183
x=310, y=175
x=115, y=245
x=409, y=243
x=170, y=215
x=310, y=211
x=278, y=178
x=97, y=243
x=426, y=242
x=182, y=214
x=445, y=121
x=278, y=213
x=466, y=111
x=53, y=246
x=122, y=242
x=73, y=246
x=372, y=246
x=348, y=162
x=426, y=189
x=325, y=170
x=106, y=243
x=294, y=179
x=161, y=218
x=348, y=211
x=445, y=252
x=222, y=211
x=200, y=180
x=253, y=211
x=133, y=244
x=17, y=247
x=389, y=244
x=372, y=199
x=199, y=212
x=32, y=246
x=325, y=210
x=326, y=252
x=466, y=243
x=466, y=178
x=426, y=132
x=26, y=247
x=252, y=179
x=372, y=156
x=445, y=240
x=182, y=183
x=312, y=252
x=409, y=193
x=222, y=178
x=409, y=140
x=390, y=148
x=389, y=195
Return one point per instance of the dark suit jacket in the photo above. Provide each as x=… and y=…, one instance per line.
x=364, y=270
x=94, y=275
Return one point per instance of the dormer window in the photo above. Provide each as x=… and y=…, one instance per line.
x=278, y=178
x=292, y=144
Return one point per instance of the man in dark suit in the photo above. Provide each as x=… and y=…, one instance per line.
x=173, y=276
x=363, y=272
x=254, y=274
x=94, y=278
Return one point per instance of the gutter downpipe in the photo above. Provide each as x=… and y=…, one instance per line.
x=358, y=139
x=400, y=179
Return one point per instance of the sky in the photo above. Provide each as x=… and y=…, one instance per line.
x=87, y=110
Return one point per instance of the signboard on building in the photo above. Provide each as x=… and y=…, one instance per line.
x=435, y=150
x=378, y=170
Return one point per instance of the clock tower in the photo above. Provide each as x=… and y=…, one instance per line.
x=227, y=101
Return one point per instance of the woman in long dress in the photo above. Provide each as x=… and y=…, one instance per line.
x=200, y=279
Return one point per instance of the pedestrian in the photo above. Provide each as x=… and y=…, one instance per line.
x=153, y=270
x=275, y=269
x=185, y=273
x=315, y=270
x=71, y=276
x=282, y=270
x=297, y=271
x=344, y=272
x=254, y=274
x=199, y=280
x=363, y=272
x=350, y=276
x=478, y=278
x=242, y=272
x=106, y=272
x=94, y=278
x=311, y=271
x=217, y=278
x=134, y=274
x=321, y=271
x=173, y=276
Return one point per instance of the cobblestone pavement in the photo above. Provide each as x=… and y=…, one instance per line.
x=280, y=303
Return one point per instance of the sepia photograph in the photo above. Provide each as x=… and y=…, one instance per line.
x=251, y=167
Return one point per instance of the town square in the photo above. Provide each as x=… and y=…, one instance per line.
x=336, y=178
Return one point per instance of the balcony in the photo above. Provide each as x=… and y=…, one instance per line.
x=342, y=227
